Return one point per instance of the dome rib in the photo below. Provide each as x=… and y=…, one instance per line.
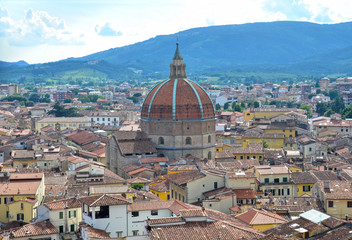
x=151, y=101
x=206, y=94
x=196, y=93
x=174, y=100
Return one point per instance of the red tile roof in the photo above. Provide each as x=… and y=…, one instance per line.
x=95, y=233
x=83, y=137
x=104, y=200
x=258, y=217
x=185, y=177
x=245, y=193
x=62, y=204
x=154, y=160
x=35, y=229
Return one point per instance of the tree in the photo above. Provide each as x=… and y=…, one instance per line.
x=137, y=186
x=265, y=144
x=311, y=95
x=308, y=110
x=318, y=91
x=45, y=100
x=333, y=94
x=34, y=97
x=256, y=104
x=226, y=106
x=217, y=106
x=236, y=108
x=68, y=100
x=338, y=105
x=60, y=111
x=29, y=104
x=329, y=112
x=347, y=112
x=321, y=108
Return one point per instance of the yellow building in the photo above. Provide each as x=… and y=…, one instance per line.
x=161, y=190
x=260, y=219
x=227, y=138
x=337, y=201
x=24, y=158
x=181, y=168
x=20, y=195
x=189, y=186
x=273, y=140
x=64, y=214
x=288, y=131
x=303, y=183
x=274, y=180
x=220, y=146
x=266, y=113
x=253, y=151
x=21, y=210
x=61, y=123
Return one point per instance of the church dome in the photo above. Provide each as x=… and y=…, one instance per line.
x=177, y=98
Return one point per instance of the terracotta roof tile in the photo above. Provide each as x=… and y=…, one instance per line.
x=154, y=160
x=62, y=204
x=35, y=229
x=185, y=177
x=202, y=230
x=303, y=178
x=160, y=187
x=257, y=217
x=104, y=200
x=94, y=232
x=245, y=193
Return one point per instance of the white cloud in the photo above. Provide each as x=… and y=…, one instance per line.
x=37, y=27
x=3, y=12
x=107, y=30
x=323, y=11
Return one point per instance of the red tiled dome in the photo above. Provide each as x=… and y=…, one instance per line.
x=177, y=99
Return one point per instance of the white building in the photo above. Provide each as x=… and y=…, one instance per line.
x=107, y=118
x=106, y=212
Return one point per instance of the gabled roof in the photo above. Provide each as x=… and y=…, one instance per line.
x=94, y=232
x=303, y=178
x=185, y=177
x=35, y=229
x=104, y=200
x=63, y=204
x=260, y=217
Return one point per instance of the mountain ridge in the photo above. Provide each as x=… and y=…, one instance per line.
x=300, y=48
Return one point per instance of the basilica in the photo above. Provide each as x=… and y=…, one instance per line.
x=179, y=116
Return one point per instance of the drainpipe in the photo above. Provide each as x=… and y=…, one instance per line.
x=127, y=220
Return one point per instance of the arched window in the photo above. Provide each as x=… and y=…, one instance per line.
x=188, y=141
x=161, y=141
x=209, y=155
x=209, y=139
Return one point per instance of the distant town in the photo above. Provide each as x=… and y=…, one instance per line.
x=177, y=159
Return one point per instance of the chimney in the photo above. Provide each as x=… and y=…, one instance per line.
x=326, y=185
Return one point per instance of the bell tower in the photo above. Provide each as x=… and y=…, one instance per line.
x=177, y=67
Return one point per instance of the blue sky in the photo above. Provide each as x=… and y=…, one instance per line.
x=49, y=30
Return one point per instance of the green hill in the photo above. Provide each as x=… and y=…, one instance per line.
x=276, y=48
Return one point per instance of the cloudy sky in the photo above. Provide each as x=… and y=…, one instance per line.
x=49, y=30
